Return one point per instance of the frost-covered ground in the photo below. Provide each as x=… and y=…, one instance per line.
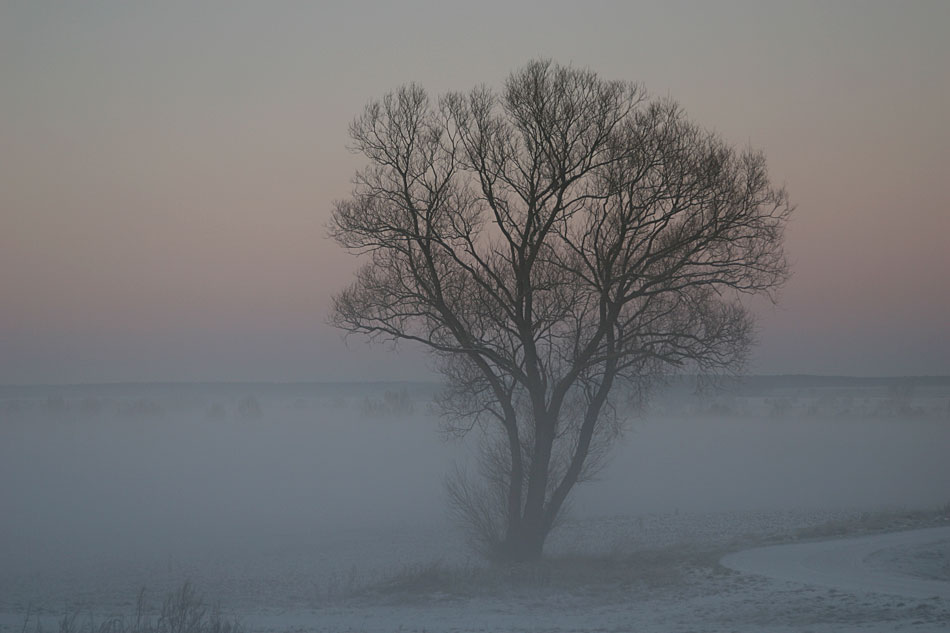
x=303, y=508
x=908, y=563
x=672, y=581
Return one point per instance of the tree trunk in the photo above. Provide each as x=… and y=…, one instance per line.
x=524, y=545
x=528, y=529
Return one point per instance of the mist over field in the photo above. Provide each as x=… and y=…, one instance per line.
x=275, y=494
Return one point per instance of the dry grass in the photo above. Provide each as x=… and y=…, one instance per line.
x=183, y=611
x=569, y=574
x=875, y=522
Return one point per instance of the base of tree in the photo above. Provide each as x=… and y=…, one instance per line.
x=521, y=549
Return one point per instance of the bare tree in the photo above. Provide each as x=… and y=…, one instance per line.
x=548, y=242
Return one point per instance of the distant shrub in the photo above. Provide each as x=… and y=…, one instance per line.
x=90, y=406
x=249, y=408
x=393, y=403
x=398, y=401
x=721, y=409
x=778, y=407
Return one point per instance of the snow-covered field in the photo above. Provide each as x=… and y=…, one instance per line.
x=306, y=508
x=908, y=563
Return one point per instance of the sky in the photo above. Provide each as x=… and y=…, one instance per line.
x=167, y=169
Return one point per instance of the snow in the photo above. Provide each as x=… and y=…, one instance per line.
x=889, y=564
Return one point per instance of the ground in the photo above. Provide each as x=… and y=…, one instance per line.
x=659, y=573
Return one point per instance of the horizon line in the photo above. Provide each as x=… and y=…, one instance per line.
x=119, y=383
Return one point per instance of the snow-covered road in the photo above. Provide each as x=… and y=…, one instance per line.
x=913, y=564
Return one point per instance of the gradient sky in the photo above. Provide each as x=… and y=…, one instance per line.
x=167, y=168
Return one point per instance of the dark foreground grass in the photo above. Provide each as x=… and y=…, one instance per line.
x=182, y=611
x=567, y=574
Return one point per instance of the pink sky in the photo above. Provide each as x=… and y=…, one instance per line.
x=166, y=171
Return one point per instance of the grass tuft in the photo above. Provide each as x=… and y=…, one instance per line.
x=183, y=611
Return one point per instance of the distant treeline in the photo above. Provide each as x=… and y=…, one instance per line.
x=186, y=390
x=735, y=385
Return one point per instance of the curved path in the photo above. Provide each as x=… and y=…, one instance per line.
x=909, y=564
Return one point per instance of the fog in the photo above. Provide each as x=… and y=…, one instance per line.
x=144, y=473
x=157, y=475
x=273, y=495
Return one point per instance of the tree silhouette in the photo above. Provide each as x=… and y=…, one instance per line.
x=548, y=242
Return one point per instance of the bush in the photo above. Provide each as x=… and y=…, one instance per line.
x=182, y=611
x=90, y=406
x=394, y=403
x=249, y=408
